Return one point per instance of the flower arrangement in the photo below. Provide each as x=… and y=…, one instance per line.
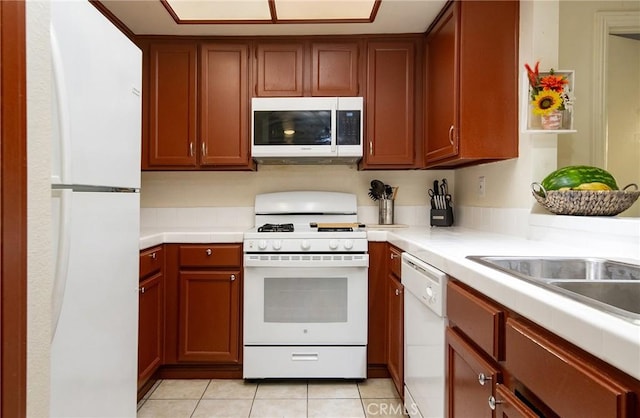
x=548, y=92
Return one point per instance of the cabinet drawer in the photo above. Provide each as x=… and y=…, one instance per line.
x=395, y=260
x=151, y=261
x=478, y=318
x=579, y=389
x=218, y=255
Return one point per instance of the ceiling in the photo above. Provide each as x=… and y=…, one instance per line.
x=151, y=17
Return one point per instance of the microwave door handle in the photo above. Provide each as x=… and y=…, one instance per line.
x=334, y=133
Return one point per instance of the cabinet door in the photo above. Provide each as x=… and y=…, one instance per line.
x=377, y=323
x=334, y=69
x=442, y=89
x=395, y=335
x=279, y=71
x=470, y=379
x=224, y=108
x=488, y=121
x=172, y=105
x=150, y=327
x=390, y=104
x=209, y=316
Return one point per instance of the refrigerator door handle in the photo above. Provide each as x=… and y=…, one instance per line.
x=62, y=256
x=62, y=168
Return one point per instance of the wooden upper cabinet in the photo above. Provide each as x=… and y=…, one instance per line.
x=441, y=118
x=224, y=104
x=173, y=104
x=467, y=120
x=280, y=69
x=334, y=69
x=390, y=104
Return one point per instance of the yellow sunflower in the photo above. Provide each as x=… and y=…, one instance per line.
x=546, y=101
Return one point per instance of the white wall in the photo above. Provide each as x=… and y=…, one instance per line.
x=39, y=264
x=576, y=52
x=623, y=113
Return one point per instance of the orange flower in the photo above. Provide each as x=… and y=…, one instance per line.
x=532, y=74
x=553, y=82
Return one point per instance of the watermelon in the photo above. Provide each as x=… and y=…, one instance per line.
x=580, y=177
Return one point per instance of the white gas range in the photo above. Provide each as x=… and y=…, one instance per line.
x=305, y=288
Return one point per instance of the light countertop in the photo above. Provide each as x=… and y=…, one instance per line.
x=606, y=336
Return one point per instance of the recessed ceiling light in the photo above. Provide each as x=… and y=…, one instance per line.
x=271, y=11
x=219, y=10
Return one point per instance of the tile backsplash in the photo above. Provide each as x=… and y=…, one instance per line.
x=611, y=236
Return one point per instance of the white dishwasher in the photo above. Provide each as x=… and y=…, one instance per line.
x=424, y=344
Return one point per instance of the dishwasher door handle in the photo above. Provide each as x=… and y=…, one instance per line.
x=305, y=357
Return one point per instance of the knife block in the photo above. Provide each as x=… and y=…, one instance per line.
x=442, y=217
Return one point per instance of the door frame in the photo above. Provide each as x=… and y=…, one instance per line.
x=13, y=209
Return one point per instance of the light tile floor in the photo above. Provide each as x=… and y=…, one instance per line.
x=298, y=398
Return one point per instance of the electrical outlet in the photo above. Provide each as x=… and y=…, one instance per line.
x=482, y=185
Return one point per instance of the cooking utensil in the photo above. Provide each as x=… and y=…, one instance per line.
x=388, y=191
x=377, y=190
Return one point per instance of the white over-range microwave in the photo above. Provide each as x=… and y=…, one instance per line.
x=307, y=130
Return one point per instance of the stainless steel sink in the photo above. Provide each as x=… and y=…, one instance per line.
x=608, y=285
x=622, y=295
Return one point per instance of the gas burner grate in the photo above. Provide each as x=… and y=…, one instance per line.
x=276, y=228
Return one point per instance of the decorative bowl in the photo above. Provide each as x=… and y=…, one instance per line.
x=586, y=202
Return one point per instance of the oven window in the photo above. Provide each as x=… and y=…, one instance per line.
x=303, y=300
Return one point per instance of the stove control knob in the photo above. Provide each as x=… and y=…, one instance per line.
x=262, y=244
x=305, y=245
x=333, y=244
x=277, y=244
x=348, y=244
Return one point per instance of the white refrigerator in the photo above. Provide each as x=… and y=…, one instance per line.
x=97, y=75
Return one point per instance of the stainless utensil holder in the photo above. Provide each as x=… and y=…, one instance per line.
x=385, y=211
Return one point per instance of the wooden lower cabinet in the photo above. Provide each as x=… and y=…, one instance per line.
x=385, y=344
x=531, y=373
x=470, y=379
x=377, y=321
x=209, y=316
x=203, y=311
x=564, y=379
x=395, y=334
x=150, y=315
x=150, y=327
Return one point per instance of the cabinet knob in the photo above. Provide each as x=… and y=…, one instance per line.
x=142, y=290
x=204, y=149
x=451, y=134
x=394, y=256
x=397, y=292
x=493, y=402
x=209, y=252
x=153, y=255
x=483, y=378
x=233, y=277
x=190, y=148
